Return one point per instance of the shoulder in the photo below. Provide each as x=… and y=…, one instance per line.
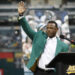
x=62, y=42
x=40, y=32
x=64, y=45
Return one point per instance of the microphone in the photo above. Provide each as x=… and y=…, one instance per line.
x=63, y=37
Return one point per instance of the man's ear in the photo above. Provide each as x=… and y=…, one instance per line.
x=56, y=29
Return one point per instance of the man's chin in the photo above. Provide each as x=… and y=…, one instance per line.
x=51, y=36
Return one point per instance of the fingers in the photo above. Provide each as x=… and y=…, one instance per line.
x=21, y=7
x=21, y=3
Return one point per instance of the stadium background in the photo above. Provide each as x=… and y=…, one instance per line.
x=11, y=39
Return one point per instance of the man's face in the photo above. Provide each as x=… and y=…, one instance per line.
x=51, y=29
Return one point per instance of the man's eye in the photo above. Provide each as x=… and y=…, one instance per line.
x=51, y=27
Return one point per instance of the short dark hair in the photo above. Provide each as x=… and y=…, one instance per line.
x=53, y=22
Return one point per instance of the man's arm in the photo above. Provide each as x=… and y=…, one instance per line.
x=21, y=9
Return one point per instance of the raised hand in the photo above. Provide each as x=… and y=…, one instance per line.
x=21, y=8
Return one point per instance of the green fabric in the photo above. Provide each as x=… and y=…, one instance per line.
x=38, y=42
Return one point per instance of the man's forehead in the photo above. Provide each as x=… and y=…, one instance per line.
x=51, y=24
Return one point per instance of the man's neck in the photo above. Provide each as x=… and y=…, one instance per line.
x=51, y=36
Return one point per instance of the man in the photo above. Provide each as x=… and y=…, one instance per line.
x=45, y=45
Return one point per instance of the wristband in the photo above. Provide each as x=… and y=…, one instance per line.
x=21, y=14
